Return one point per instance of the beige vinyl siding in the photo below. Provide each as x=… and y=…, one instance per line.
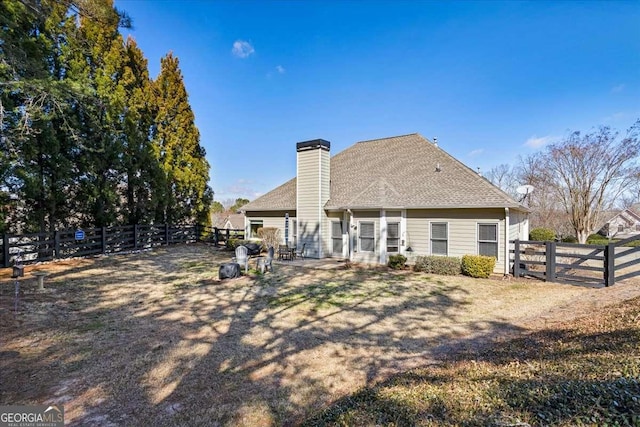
x=366, y=216
x=308, y=201
x=462, y=230
x=325, y=223
x=518, y=225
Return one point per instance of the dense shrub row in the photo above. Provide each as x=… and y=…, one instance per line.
x=470, y=265
x=446, y=266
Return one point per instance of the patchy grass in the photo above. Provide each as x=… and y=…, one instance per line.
x=581, y=373
x=154, y=338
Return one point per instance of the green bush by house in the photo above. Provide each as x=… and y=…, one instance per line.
x=397, y=262
x=597, y=239
x=479, y=266
x=447, y=266
x=234, y=243
x=542, y=234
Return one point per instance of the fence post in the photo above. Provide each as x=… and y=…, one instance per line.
x=103, y=231
x=550, y=261
x=215, y=236
x=56, y=244
x=516, y=258
x=609, y=265
x=135, y=236
x=166, y=233
x=198, y=233
x=5, y=247
x=227, y=240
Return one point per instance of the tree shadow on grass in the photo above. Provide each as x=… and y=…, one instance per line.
x=584, y=373
x=170, y=345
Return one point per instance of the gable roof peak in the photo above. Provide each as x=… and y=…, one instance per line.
x=393, y=137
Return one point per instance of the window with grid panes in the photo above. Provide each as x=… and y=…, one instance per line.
x=393, y=237
x=367, y=236
x=336, y=237
x=488, y=240
x=439, y=238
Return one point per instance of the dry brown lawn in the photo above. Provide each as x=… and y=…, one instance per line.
x=154, y=338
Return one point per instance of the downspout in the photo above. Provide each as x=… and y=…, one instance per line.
x=351, y=235
x=506, y=241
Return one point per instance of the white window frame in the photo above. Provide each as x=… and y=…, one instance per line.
x=398, y=239
x=255, y=221
x=334, y=238
x=497, y=241
x=360, y=235
x=431, y=239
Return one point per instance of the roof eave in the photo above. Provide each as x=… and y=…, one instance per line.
x=272, y=209
x=356, y=207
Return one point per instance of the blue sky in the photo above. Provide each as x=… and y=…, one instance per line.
x=491, y=80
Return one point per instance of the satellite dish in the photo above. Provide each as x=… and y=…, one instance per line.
x=525, y=189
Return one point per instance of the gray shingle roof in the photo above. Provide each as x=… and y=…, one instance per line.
x=399, y=172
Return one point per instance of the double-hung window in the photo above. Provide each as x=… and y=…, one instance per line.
x=488, y=240
x=439, y=238
x=393, y=237
x=367, y=236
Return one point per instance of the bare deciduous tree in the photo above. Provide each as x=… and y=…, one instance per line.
x=504, y=177
x=585, y=173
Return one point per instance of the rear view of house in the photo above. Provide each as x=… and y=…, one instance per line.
x=394, y=195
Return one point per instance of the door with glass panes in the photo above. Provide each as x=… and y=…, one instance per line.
x=393, y=237
x=336, y=238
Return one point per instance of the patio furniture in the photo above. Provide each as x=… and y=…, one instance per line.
x=242, y=257
x=300, y=253
x=265, y=263
x=285, y=252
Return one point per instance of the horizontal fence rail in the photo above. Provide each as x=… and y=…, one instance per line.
x=38, y=247
x=575, y=263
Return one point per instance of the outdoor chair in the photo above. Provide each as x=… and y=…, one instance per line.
x=284, y=252
x=242, y=257
x=300, y=253
x=265, y=263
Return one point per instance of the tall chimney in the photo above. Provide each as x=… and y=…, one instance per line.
x=312, y=193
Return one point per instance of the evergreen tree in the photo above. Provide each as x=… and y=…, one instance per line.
x=79, y=142
x=141, y=167
x=183, y=195
x=35, y=103
x=98, y=56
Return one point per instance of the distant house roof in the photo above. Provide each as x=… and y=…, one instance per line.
x=398, y=172
x=626, y=215
x=236, y=221
x=227, y=220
